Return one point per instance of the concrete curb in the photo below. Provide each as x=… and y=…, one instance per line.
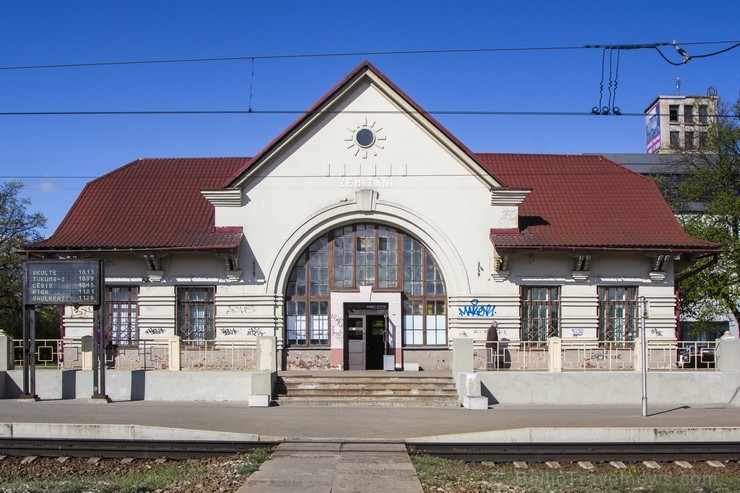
x=585, y=435
x=116, y=432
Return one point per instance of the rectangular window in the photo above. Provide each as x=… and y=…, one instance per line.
x=365, y=255
x=344, y=258
x=296, y=322
x=387, y=258
x=195, y=309
x=688, y=140
x=540, y=313
x=413, y=323
x=617, y=313
x=688, y=113
x=436, y=331
x=318, y=260
x=675, y=142
x=673, y=112
x=413, y=281
x=122, y=313
x=319, y=311
x=703, y=113
x=702, y=140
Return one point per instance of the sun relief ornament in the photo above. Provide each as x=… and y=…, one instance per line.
x=365, y=139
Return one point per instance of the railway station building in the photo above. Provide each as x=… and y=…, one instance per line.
x=366, y=234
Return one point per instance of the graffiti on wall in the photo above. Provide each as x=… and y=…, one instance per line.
x=337, y=325
x=239, y=309
x=254, y=331
x=475, y=309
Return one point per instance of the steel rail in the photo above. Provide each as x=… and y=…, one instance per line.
x=472, y=452
x=604, y=451
x=149, y=449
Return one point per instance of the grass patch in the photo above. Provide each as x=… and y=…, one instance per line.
x=134, y=482
x=256, y=458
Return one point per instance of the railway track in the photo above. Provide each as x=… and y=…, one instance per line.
x=471, y=452
x=607, y=451
x=143, y=449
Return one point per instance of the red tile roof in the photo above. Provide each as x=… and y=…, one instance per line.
x=576, y=203
x=584, y=202
x=149, y=204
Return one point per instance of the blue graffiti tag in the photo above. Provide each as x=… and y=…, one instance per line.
x=476, y=310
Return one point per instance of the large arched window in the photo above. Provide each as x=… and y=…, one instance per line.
x=365, y=255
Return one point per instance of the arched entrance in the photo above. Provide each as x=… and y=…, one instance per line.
x=362, y=291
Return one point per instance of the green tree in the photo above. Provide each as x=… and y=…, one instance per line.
x=710, y=181
x=18, y=228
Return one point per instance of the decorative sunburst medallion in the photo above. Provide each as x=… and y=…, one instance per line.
x=365, y=139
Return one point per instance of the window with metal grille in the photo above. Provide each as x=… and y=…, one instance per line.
x=195, y=309
x=122, y=314
x=617, y=313
x=540, y=313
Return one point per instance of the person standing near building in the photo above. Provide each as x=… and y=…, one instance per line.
x=492, y=345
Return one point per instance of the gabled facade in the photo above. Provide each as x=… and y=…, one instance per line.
x=366, y=234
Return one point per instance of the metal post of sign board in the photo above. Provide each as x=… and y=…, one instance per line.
x=99, y=355
x=99, y=343
x=32, y=352
x=29, y=349
x=95, y=353
x=24, y=354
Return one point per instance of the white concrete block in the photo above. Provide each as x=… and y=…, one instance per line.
x=411, y=367
x=475, y=402
x=259, y=400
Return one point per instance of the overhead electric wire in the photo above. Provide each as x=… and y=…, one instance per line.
x=302, y=112
x=252, y=58
x=377, y=53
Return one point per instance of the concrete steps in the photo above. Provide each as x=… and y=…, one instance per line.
x=366, y=390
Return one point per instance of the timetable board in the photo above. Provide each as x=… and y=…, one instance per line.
x=62, y=282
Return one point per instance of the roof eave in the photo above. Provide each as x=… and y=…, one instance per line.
x=135, y=250
x=608, y=248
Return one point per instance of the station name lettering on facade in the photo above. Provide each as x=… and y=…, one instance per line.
x=63, y=282
x=367, y=175
x=366, y=182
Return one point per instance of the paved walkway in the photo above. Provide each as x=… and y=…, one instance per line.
x=366, y=450
x=335, y=468
x=390, y=424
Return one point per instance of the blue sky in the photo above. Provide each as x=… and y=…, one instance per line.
x=56, y=155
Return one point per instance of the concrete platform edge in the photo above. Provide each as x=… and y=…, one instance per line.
x=116, y=432
x=586, y=435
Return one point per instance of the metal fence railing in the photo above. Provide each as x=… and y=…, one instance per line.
x=218, y=355
x=598, y=356
x=147, y=354
x=512, y=355
x=48, y=353
x=593, y=355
